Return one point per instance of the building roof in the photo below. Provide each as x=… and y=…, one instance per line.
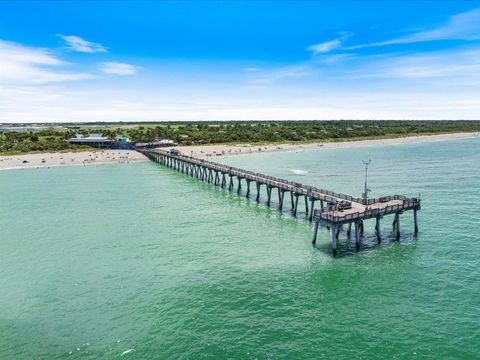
x=92, y=138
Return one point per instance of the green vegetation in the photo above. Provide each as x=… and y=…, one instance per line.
x=19, y=142
x=197, y=133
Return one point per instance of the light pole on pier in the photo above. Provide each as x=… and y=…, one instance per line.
x=367, y=190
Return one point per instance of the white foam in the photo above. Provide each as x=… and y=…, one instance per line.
x=127, y=351
x=298, y=171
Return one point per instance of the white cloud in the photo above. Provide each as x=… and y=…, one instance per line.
x=19, y=53
x=47, y=103
x=281, y=74
x=332, y=59
x=76, y=43
x=463, y=26
x=328, y=46
x=116, y=68
x=325, y=46
x=28, y=65
x=250, y=69
x=453, y=67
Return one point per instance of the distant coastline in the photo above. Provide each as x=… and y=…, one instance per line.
x=218, y=150
x=11, y=162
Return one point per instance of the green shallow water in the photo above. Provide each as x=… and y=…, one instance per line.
x=98, y=260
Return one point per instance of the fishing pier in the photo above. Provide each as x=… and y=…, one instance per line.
x=326, y=208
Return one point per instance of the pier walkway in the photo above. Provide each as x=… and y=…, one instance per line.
x=333, y=211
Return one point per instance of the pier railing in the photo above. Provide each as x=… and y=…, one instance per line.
x=331, y=214
x=298, y=188
x=329, y=196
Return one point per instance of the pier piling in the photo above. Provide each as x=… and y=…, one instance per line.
x=334, y=239
x=397, y=225
x=377, y=229
x=415, y=221
x=312, y=204
x=269, y=194
x=296, y=205
x=357, y=235
x=315, y=231
x=281, y=195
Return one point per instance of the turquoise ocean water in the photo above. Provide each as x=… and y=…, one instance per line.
x=138, y=259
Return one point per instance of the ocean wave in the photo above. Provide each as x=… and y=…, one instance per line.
x=127, y=352
x=298, y=171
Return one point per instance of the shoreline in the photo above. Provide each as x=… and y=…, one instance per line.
x=219, y=150
x=99, y=157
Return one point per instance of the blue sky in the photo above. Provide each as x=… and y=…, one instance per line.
x=94, y=61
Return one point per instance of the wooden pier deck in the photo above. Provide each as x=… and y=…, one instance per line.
x=334, y=210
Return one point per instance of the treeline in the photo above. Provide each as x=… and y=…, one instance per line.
x=195, y=133
x=35, y=141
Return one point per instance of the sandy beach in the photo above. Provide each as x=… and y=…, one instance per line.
x=239, y=149
x=29, y=161
x=203, y=151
